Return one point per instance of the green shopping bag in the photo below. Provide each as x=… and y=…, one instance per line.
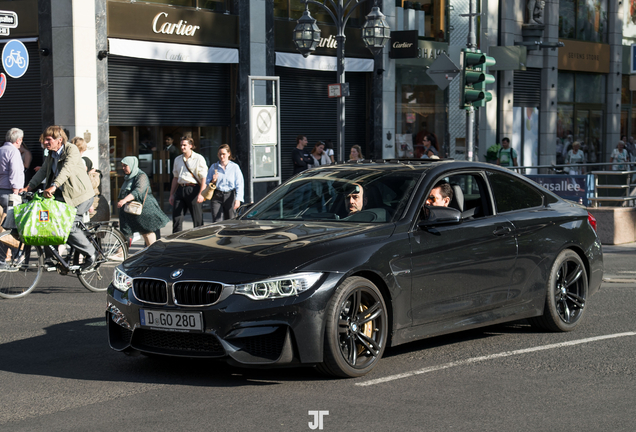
x=44, y=222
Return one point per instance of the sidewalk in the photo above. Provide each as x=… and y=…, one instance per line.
x=620, y=263
x=138, y=242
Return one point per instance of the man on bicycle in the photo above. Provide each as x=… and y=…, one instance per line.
x=65, y=179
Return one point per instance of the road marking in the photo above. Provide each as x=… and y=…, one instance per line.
x=491, y=357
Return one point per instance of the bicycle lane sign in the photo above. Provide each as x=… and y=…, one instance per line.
x=15, y=58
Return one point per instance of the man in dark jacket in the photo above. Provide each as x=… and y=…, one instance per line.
x=300, y=157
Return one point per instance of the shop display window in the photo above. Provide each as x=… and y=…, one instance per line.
x=214, y=5
x=581, y=100
x=435, y=16
x=420, y=110
x=584, y=20
x=293, y=9
x=156, y=147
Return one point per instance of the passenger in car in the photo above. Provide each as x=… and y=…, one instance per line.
x=441, y=195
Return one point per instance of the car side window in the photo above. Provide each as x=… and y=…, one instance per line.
x=513, y=194
x=469, y=196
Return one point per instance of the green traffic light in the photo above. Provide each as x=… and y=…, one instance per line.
x=474, y=79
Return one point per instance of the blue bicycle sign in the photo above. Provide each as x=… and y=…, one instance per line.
x=15, y=58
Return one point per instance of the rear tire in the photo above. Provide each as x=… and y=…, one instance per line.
x=566, y=294
x=21, y=274
x=356, y=330
x=115, y=251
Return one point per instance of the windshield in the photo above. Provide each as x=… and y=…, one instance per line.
x=359, y=194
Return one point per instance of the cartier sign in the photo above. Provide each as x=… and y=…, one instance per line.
x=158, y=23
x=166, y=27
x=403, y=44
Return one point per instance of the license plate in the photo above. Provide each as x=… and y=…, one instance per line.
x=171, y=320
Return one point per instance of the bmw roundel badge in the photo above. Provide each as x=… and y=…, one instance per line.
x=175, y=274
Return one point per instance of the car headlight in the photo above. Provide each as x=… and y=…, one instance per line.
x=283, y=286
x=121, y=280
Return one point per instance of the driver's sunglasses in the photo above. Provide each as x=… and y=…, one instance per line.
x=431, y=198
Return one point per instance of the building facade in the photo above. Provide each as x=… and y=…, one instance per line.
x=130, y=76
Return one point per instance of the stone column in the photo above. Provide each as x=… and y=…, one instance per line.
x=549, y=85
x=102, y=139
x=387, y=91
x=74, y=57
x=487, y=133
x=510, y=27
x=614, y=80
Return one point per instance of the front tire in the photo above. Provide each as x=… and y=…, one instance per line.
x=356, y=329
x=21, y=273
x=566, y=294
x=114, y=250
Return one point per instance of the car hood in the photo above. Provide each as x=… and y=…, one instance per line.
x=257, y=248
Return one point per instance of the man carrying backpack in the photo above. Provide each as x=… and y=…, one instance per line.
x=507, y=156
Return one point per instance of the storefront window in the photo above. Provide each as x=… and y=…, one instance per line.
x=591, y=88
x=584, y=20
x=435, y=17
x=565, y=92
x=293, y=9
x=156, y=147
x=419, y=110
x=581, y=99
x=214, y=5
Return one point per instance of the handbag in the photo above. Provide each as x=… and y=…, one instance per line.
x=135, y=207
x=208, y=192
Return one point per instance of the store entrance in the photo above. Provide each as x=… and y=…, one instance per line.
x=583, y=123
x=156, y=147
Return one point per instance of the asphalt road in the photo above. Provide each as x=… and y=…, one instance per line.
x=58, y=374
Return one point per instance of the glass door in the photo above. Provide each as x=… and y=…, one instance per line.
x=589, y=132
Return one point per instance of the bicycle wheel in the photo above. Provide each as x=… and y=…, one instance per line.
x=20, y=270
x=114, y=251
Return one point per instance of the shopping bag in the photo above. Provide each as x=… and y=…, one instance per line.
x=44, y=222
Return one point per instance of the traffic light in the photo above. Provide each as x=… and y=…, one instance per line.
x=475, y=78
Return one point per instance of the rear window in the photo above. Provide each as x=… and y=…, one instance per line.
x=513, y=194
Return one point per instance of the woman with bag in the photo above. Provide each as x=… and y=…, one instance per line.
x=140, y=211
x=228, y=178
x=619, y=154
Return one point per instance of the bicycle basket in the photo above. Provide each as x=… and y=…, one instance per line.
x=44, y=222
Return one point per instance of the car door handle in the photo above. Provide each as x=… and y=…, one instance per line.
x=500, y=231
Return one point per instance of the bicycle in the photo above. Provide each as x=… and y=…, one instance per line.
x=15, y=57
x=24, y=268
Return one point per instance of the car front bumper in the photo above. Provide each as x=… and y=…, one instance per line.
x=240, y=330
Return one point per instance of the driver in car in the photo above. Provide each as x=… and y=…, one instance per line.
x=441, y=195
x=355, y=199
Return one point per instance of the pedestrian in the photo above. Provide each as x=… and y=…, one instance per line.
x=27, y=158
x=356, y=153
x=66, y=180
x=574, y=156
x=619, y=154
x=189, y=173
x=329, y=150
x=11, y=172
x=507, y=156
x=300, y=157
x=136, y=187
x=319, y=155
x=229, y=182
x=430, y=146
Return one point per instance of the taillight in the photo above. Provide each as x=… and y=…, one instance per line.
x=591, y=220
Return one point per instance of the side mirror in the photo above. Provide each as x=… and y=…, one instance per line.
x=437, y=215
x=243, y=209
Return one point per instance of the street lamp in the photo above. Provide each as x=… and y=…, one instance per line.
x=375, y=33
